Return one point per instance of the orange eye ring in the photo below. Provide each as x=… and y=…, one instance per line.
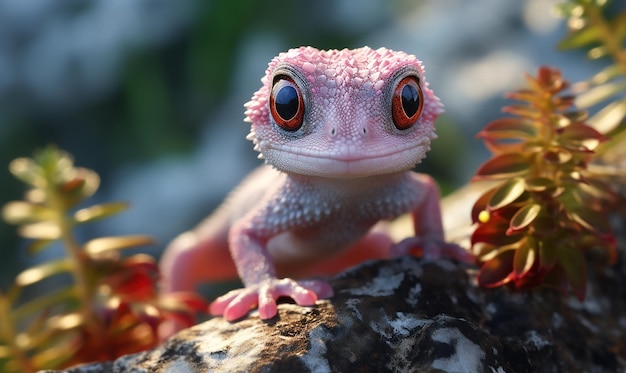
x=407, y=103
x=286, y=103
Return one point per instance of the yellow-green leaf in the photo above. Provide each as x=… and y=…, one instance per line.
x=22, y=212
x=37, y=246
x=59, y=298
x=45, y=230
x=66, y=322
x=581, y=38
x=103, y=244
x=609, y=117
x=42, y=271
x=506, y=193
x=5, y=352
x=26, y=170
x=598, y=94
x=99, y=211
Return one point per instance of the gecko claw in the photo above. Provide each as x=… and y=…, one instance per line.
x=237, y=303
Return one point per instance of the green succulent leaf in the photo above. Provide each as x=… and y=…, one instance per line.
x=103, y=244
x=573, y=262
x=582, y=38
x=507, y=193
x=524, y=217
x=540, y=184
x=590, y=220
x=547, y=254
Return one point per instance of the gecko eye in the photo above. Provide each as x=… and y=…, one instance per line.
x=407, y=103
x=286, y=103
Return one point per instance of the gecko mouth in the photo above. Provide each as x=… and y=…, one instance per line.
x=349, y=162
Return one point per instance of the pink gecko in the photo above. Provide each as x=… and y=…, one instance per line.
x=341, y=130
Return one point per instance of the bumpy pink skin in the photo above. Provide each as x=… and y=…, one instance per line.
x=349, y=126
x=314, y=212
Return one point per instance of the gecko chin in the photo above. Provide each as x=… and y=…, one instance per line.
x=343, y=167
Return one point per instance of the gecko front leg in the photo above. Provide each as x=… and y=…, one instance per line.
x=429, y=241
x=262, y=287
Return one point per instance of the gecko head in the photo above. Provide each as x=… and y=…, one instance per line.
x=343, y=113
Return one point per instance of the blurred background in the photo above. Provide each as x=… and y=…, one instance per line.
x=149, y=93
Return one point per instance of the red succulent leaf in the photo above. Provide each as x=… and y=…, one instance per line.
x=494, y=232
x=504, y=166
x=509, y=129
x=497, y=271
x=481, y=204
x=523, y=111
x=148, y=314
x=524, y=258
x=557, y=156
x=136, y=285
x=499, y=147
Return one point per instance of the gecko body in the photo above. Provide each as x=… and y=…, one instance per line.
x=340, y=131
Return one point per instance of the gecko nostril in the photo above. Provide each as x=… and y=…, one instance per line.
x=333, y=131
x=364, y=130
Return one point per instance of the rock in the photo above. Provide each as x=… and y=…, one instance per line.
x=410, y=315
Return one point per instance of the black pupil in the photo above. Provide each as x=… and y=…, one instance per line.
x=287, y=102
x=410, y=100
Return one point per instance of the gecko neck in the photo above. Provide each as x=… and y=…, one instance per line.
x=350, y=185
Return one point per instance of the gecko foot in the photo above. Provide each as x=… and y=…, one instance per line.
x=431, y=249
x=236, y=303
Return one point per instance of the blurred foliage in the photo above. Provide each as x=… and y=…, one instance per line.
x=111, y=308
x=602, y=34
x=534, y=227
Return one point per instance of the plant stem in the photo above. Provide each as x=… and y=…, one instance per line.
x=74, y=251
x=10, y=336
